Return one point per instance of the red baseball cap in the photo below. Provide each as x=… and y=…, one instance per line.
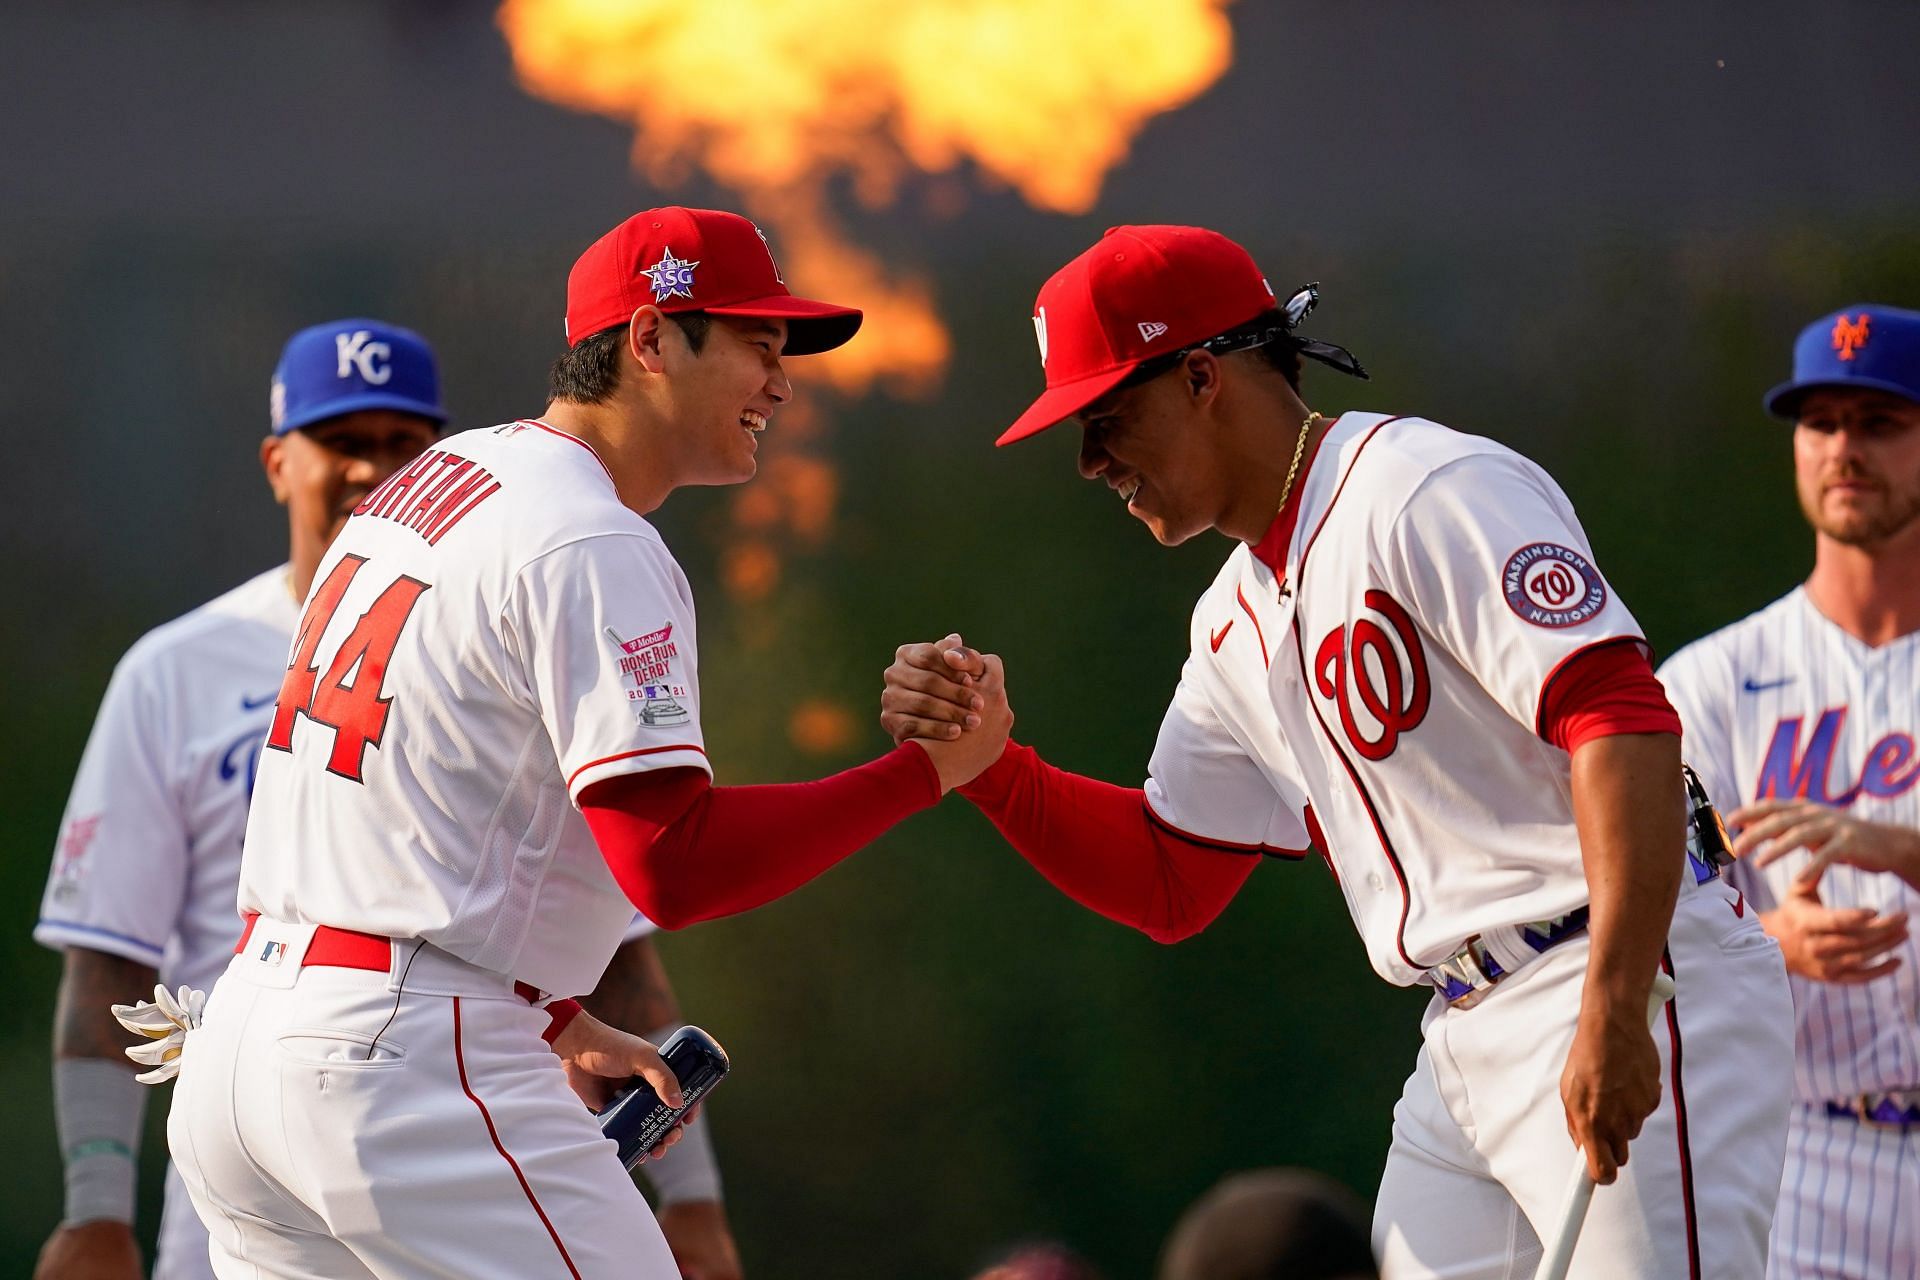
x=1141, y=292
x=694, y=260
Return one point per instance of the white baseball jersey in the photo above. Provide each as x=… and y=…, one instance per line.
x=491, y=633
x=1380, y=689
x=1784, y=704
x=149, y=848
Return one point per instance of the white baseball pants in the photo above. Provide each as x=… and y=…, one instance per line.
x=328, y=1128
x=1480, y=1152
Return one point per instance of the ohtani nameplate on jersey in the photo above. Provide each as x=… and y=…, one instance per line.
x=648, y=661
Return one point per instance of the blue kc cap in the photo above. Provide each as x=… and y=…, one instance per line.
x=349, y=365
x=1866, y=346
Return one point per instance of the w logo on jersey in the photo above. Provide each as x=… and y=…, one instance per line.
x=1387, y=673
x=1787, y=773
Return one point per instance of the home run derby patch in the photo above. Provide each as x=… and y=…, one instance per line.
x=1552, y=586
x=648, y=661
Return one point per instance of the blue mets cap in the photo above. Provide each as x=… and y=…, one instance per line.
x=1867, y=347
x=349, y=365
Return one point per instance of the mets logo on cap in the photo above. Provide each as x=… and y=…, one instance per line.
x=1552, y=586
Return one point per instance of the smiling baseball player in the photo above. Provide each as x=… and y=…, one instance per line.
x=1412, y=663
x=485, y=752
x=1806, y=713
x=143, y=880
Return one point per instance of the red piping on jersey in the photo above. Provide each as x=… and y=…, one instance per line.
x=567, y=435
x=1306, y=679
x=628, y=755
x=1680, y=1122
x=1209, y=842
x=1264, y=657
x=460, y=1061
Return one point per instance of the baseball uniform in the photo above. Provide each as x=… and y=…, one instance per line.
x=492, y=621
x=1784, y=704
x=1789, y=705
x=149, y=849
x=1376, y=677
x=149, y=854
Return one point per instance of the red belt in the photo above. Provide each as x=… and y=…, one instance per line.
x=351, y=949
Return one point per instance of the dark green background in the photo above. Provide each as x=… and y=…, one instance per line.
x=1568, y=231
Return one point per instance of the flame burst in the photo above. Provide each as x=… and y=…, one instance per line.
x=774, y=100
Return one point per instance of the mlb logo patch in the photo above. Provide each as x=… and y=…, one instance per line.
x=273, y=953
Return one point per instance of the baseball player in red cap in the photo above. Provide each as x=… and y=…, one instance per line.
x=1411, y=664
x=486, y=751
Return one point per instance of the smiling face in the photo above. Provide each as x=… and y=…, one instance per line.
x=1156, y=448
x=1856, y=458
x=724, y=396
x=320, y=472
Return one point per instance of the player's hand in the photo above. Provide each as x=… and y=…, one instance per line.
x=702, y=1244
x=600, y=1059
x=931, y=690
x=1834, y=944
x=962, y=759
x=99, y=1250
x=1611, y=1083
x=1771, y=829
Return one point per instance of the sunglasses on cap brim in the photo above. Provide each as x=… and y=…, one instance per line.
x=1292, y=312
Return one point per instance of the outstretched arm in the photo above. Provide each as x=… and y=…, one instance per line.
x=1099, y=844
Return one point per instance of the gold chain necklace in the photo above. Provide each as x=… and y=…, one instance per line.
x=1293, y=472
x=1299, y=451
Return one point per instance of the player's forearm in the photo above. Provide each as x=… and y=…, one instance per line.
x=90, y=983
x=1629, y=806
x=718, y=851
x=634, y=993
x=1094, y=842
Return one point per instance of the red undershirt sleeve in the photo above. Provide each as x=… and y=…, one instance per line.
x=1098, y=844
x=684, y=850
x=1605, y=690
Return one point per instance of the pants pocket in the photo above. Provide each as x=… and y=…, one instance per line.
x=335, y=1047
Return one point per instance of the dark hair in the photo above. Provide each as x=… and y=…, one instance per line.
x=1277, y=352
x=588, y=372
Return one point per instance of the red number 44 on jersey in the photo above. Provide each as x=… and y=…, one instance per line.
x=355, y=711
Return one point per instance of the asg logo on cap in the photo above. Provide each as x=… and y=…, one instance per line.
x=357, y=351
x=672, y=277
x=1850, y=335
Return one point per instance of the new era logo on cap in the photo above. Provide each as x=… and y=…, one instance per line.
x=682, y=259
x=1194, y=282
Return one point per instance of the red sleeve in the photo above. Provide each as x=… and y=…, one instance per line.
x=1099, y=845
x=1607, y=689
x=684, y=850
x=559, y=1014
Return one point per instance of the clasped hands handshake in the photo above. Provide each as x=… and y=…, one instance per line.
x=952, y=700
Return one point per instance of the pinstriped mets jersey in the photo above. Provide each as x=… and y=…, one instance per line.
x=1785, y=704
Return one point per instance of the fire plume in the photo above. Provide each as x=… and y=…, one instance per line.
x=777, y=100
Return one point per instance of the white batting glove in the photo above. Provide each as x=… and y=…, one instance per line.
x=165, y=1021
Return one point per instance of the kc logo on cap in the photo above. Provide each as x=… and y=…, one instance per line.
x=351, y=365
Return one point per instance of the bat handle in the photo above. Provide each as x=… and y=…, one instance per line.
x=1557, y=1253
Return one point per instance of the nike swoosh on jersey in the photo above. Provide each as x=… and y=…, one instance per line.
x=1761, y=686
x=254, y=704
x=1221, y=634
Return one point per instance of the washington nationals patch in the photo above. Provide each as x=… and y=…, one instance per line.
x=1552, y=586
